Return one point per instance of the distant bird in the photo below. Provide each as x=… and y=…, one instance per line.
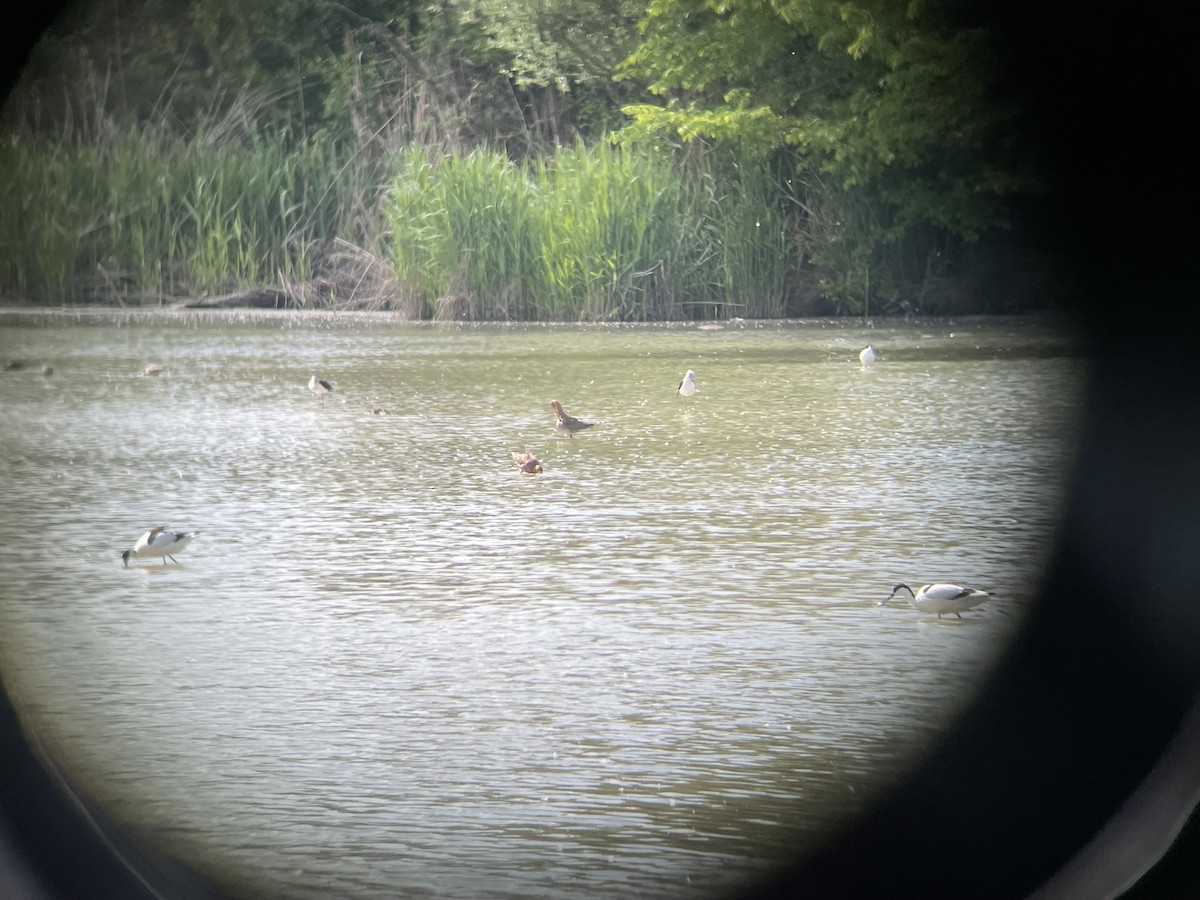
x=159, y=542
x=567, y=423
x=320, y=387
x=687, y=387
x=942, y=598
x=867, y=357
x=152, y=369
x=47, y=371
x=527, y=463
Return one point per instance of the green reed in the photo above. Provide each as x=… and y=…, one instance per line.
x=608, y=227
x=146, y=215
x=753, y=245
x=589, y=233
x=460, y=234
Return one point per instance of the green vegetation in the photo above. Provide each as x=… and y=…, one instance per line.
x=588, y=232
x=531, y=160
x=147, y=216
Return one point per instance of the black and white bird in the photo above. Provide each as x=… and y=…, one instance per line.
x=867, y=356
x=160, y=542
x=687, y=387
x=942, y=598
x=320, y=387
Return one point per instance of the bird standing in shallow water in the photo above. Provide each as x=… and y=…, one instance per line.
x=320, y=387
x=569, y=424
x=159, y=542
x=687, y=387
x=867, y=357
x=942, y=598
x=527, y=463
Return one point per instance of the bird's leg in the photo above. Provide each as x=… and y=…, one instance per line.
x=173, y=559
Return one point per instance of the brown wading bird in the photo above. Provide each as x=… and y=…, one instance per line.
x=569, y=424
x=527, y=463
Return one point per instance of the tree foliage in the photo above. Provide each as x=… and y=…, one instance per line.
x=877, y=135
x=557, y=42
x=901, y=106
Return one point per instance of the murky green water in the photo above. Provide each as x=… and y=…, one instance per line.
x=393, y=666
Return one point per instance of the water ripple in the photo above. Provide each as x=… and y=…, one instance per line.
x=391, y=664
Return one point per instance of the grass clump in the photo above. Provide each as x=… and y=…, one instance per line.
x=143, y=217
x=587, y=233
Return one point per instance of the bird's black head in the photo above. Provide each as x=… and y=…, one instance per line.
x=125, y=554
x=896, y=587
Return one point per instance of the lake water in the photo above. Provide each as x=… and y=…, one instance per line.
x=392, y=665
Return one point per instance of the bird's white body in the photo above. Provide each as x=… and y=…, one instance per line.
x=687, y=387
x=867, y=357
x=320, y=387
x=159, y=542
x=943, y=599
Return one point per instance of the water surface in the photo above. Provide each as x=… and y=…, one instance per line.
x=393, y=665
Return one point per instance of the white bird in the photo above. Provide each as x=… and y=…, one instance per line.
x=159, y=542
x=687, y=387
x=320, y=387
x=151, y=370
x=942, y=598
x=867, y=357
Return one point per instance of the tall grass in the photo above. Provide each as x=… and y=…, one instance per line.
x=144, y=216
x=460, y=236
x=753, y=246
x=609, y=230
x=587, y=233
